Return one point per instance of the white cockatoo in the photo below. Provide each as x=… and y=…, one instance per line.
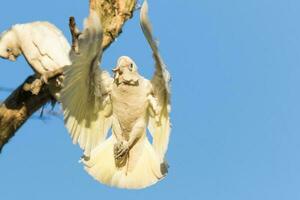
x=93, y=103
x=43, y=45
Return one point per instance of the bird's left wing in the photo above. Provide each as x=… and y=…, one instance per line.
x=161, y=128
x=85, y=93
x=52, y=45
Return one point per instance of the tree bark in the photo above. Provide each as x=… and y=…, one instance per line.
x=21, y=104
x=114, y=13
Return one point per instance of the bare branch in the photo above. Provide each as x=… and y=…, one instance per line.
x=114, y=13
x=17, y=108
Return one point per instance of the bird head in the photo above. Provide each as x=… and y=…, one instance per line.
x=126, y=71
x=9, y=48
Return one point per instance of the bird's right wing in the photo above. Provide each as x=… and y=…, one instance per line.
x=85, y=93
x=160, y=129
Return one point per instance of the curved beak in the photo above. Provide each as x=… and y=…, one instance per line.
x=115, y=69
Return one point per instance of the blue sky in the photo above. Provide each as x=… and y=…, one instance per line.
x=236, y=103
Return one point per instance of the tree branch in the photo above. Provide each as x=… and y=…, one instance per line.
x=114, y=13
x=21, y=104
x=17, y=108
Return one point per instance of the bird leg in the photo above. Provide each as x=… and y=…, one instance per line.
x=51, y=74
x=123, y=147
x=33, y=84
x=121, y=154
x=75, y=34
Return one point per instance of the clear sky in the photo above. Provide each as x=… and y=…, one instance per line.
x=236, y=103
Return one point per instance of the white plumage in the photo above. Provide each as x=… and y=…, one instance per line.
x=161, y=85
x=93, y=103
x=86, y=89
x=43, y=45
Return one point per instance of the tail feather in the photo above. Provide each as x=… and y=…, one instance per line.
x=145, y=172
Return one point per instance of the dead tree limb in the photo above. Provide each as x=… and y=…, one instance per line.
x=21, y=104
x=114, y=13
x=17, y=108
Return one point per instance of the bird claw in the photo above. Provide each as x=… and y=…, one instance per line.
x=34, y=87
x=121, y=149
x=121, y=153
x=44, y=78
x=59, y=81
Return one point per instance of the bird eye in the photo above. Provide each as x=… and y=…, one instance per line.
x=131, y=67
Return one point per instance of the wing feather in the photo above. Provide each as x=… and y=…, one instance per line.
x=85, y=88
x=161, y=85
x=51, y=44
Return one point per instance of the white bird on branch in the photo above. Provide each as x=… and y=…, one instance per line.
x=43, y=45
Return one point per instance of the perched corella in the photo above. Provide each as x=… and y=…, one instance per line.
x=43, y=45
x=128, y=104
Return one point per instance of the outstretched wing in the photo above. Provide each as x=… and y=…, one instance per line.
x=85, y=93
x=161, y=84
